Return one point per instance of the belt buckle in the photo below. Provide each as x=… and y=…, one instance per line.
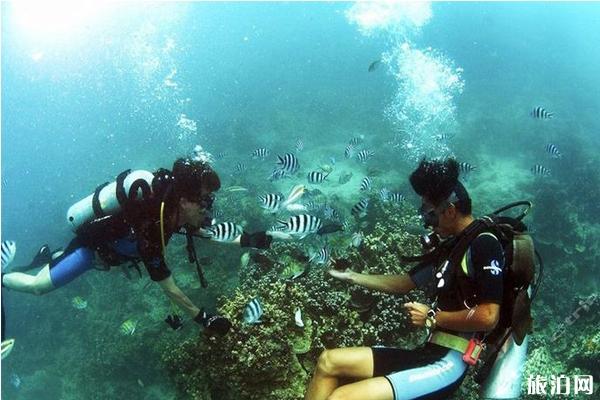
x=473, y=351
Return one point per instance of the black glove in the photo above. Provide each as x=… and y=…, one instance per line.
x=341, y=264
x=258, y=240
x=174, y=321
x=213, y=323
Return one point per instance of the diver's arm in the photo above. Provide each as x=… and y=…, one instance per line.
x=482, y=317
x=394, y=284
x=174, y=293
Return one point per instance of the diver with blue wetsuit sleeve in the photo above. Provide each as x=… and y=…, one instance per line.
x=146, y=210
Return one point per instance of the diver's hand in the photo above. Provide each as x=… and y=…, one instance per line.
x=346, y=276
x=418, y=312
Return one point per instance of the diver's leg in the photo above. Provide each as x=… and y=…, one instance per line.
x=369, y=389
x=353, y=362
x=67, y=268
x=36, y=284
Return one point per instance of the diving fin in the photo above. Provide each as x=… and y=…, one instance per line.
x=43, y=256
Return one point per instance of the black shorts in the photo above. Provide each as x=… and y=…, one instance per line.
x=428, y=372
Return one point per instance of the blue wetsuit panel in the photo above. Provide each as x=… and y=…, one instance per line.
x=430, y=372
x=126, y=246
x=71, y=266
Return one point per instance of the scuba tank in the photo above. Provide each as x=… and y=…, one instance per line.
x=505, y=378
x=109, y=198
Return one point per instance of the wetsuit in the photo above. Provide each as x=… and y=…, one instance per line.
x=116, y=239
x=432, y=371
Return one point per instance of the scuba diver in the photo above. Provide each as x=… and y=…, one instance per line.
x=132, y=220
x=465, y=271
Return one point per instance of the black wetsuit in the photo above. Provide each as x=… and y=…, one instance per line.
x=432, y=371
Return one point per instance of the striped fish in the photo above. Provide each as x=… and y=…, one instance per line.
x=299, y=145
x=330, y=212
x=541, y=113
x=396, y=197
x=384, y=194
x=465, y=167
x=553, y=151
x=540, y=170
x=128, y=327
x=253, y=312
x=289, y=163
x=9, y=249
x=224, y=232
x=271, y=201
x=302, y=225
x=357, y=239
x=364, y=155
x=260, y=153
x=355, y=141
x=317, y=176
x=320, y=257
x=366, y=184
x=240, y=167
x=360, y=209
x=277, y=174
x=349, y=151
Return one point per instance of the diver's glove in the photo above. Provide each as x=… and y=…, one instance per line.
x=174, y=321
x=258, y=240
x=213, y=323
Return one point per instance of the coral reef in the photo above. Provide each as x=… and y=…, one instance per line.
x=274, y=359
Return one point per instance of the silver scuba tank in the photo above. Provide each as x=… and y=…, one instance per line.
x=106, y=200
x=506, y=376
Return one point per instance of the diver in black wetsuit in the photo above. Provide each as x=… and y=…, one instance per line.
x=181, y=199
x=469, y=294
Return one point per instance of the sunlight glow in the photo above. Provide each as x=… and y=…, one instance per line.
x=56, y=17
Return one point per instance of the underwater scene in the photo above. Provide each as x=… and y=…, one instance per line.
x=311, y=117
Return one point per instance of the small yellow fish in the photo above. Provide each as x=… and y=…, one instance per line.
x=128, y=327
x=79, y=303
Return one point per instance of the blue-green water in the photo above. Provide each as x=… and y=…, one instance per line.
x=137, y=85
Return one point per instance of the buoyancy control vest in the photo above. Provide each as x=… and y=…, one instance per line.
x=520, y=283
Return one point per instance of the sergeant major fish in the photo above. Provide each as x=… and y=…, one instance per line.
x=364, y=155
x=360, y=209
x=355, y=141
x=253, y=312
x=465, y=167
x=288, y=162
x=553, y=151
x=224, y=232
x=349, y=151
x=540, y=170
x=301, y=225
x=9, y=249
x=128, y=327
x=320, y=257
x=366, y=184
x=271, y=201
x=541, y=113
x=261, y=153
x=317, y=176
